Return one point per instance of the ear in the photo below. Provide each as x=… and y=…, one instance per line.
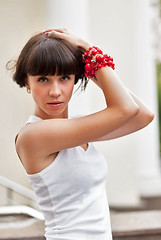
x=27, y=86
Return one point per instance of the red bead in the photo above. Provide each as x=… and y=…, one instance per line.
x=94, y=51
x=99, y=58
x=89, y=56
x=94, y=63
x=104, y=64
x=88, y=67
x=92, y=66
x=99, y=65
x=99, y=51
x=87, y=60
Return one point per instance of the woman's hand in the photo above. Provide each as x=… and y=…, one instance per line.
x=63, y=33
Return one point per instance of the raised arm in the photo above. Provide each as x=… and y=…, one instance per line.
x=45, y=137
x=141, y=120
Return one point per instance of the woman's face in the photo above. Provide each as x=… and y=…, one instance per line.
x=51, y=94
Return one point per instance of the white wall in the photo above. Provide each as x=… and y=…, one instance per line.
x=19, y=20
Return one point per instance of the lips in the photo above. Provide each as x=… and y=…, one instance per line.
x=55, y=104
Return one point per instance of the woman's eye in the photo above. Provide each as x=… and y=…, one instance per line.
x=42, y=79
x=65, y=78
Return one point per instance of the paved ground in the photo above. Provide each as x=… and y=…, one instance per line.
x=21, y=227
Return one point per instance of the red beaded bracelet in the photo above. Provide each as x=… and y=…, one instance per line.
x=94, y=60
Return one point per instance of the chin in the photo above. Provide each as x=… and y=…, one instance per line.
x=55, y=114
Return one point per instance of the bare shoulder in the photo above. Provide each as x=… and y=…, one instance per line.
x=32, y=159
x=24, y=140
x=23, y=143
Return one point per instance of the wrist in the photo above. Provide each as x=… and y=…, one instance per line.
x=95, y=59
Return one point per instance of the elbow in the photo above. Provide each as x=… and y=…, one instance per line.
x=146, y=119
x=149, y=118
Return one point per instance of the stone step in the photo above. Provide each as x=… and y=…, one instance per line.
x=151, y=202
x=144, y=225
x=140, y=225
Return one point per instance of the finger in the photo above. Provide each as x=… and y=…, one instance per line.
x=55, y=33
x=53, y=29
x=52, y=32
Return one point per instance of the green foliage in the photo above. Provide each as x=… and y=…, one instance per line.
x=159, y=97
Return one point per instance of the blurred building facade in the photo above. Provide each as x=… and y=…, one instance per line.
x=123, y=29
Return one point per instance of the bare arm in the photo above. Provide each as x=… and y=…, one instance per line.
x=45, y=137
x=141, y=120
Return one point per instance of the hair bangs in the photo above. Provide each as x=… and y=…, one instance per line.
x=49, y=58
x=44, y=56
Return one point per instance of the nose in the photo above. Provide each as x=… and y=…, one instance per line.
x=54, y=90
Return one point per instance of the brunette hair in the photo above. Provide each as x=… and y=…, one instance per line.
x=43, y=55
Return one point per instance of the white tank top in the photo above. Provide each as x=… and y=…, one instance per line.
x=72, y=196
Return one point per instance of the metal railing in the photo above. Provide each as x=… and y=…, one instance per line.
x=21, y=209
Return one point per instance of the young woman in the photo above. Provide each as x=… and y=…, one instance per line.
x=66, y=172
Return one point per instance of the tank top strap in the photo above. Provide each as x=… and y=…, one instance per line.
x=33, y=118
